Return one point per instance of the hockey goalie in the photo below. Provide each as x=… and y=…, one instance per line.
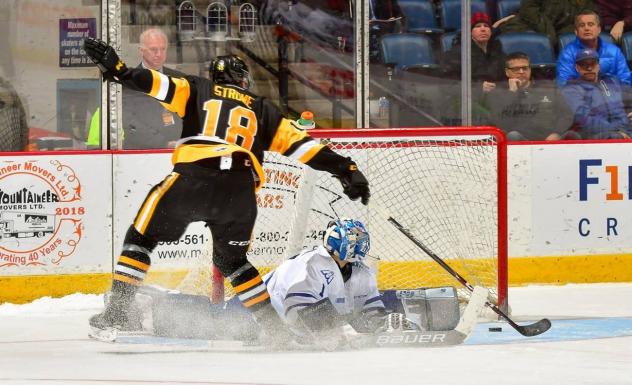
x=328, y=298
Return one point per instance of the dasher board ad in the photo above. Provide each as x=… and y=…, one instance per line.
x=135, y=174
x=582, y=199
x=54, y=216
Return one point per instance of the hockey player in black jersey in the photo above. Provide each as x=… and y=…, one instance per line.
x=217, y=170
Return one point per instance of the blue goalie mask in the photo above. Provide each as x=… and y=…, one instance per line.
x=348, y=239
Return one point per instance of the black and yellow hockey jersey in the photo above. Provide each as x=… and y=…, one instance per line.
x=219, y=120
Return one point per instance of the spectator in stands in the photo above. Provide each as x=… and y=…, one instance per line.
x=384, y=17
x=486, y=70
x=549, y=17
x=385, y=10
x=616, y=16
x=596, y=101
x=486, y=54
x=611, y=60
x=146, y=123
x=524, y=109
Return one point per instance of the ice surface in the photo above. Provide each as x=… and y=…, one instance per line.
x=45, y=342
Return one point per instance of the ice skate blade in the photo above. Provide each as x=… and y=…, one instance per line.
x=104, y=335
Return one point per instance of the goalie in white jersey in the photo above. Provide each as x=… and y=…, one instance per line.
x=320, y=294
x=322, y=289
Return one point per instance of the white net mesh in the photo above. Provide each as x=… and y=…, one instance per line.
x=13, y=126
x=442, y=188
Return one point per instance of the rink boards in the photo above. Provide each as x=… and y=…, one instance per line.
x=567, y=220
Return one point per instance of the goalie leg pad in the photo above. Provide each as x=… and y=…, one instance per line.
x=194, y=316
x=397, y=322
x=321, y=316
x=431, y=308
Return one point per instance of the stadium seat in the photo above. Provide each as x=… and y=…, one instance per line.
x=447, y=39
x=450, y=12
x=491, y=8
x=505, y=8
x=420, y=16
x=567, y=38
x=626, y=46
x=536, y=45
x=407, y=50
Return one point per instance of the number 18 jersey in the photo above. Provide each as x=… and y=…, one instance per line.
x=220, y=119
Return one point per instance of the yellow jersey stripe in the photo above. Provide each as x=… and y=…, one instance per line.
x=286, y=135
x=187, y=153
x=126, y=279
x=147, y=211
x=265, y=295
x=155, y=84
x=180, y=97
x=247, y=285
x=132, y=262
x=312, y=150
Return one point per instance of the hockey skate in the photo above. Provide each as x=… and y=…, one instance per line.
x=118, y=316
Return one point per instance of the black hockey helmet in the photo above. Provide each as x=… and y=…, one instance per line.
x=230, y=69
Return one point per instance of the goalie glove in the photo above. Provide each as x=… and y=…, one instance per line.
x=354, y=184
x=106, y=58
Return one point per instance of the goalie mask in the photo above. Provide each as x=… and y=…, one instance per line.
x=347, y=239
x=230, y=69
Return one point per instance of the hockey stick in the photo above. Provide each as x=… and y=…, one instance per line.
x=531, y=330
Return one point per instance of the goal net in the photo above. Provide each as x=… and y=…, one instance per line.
x=447, y=186
x=13, y=126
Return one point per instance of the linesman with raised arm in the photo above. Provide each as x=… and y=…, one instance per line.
x=217, y=170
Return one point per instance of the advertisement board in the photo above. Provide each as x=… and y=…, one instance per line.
x=63, y=217
x=55, y=215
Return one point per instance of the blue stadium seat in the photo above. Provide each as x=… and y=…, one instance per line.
x=626, y=46
x=420, y=16
x=607, y=37
x=536, y=45
x=506, y=7
x=567, y=38
x=447, y=39
x=450, y=12
x=492, y=8
x=407, y=50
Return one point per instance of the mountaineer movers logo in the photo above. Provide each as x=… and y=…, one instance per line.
x=24, y=197
x=41, y=213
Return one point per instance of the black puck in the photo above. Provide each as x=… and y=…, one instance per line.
x=495, y=329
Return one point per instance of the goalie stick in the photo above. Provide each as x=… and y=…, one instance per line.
x=530, y=330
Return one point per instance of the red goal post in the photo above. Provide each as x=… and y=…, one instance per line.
x=447, y=185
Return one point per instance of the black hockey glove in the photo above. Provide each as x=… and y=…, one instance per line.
x=105, y=58
x=355, y=184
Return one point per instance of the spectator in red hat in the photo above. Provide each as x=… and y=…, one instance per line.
x=486, y=69
x=549, y=17
x=486, y=54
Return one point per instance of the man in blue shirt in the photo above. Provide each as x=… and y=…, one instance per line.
x=596, y=101
x=611, y=60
